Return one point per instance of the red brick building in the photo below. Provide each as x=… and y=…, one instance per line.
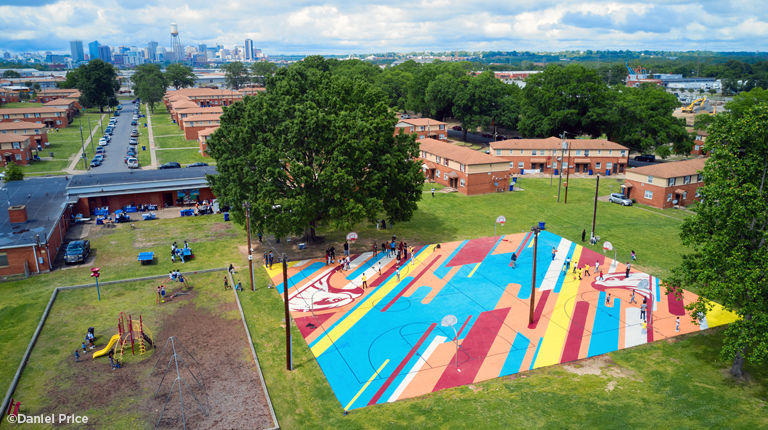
x=37, y=134
x=46, y=96
x=197, y=123
x=181, y=114
x=15, y=148
x=698, y=142
x=665, y=185
x=587, y=156
x=470, y=172
x=423, y=128
x=202, y=138
x=71, y=106
x=50, y=117
x=9, y=96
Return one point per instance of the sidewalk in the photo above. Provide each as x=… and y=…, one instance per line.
x=152, y=154
x=79, y=156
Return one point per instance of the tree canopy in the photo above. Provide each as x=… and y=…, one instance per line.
x=746, y=101
x=479, y=103
x=149, y=83
x=262, y=70
x=315, y=146
x=97, y=83
x=13, y=172
x=180, y=76
x=236, y=75
x=729, y=262
x=11, y=74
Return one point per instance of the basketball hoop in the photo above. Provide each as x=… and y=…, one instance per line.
x=352, y=237
x=501, y=220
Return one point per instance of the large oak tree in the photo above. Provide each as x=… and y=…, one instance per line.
x=314, y=147
x=729, y=262
x=97, y=83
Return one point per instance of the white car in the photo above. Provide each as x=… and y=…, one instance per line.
x=133, y=163
x=102, y=142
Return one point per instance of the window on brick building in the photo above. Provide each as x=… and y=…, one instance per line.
x=699, y=178
x=510, y=152
x=650, y=179
x=578, y=152
x=16, y=145
x=18, y=157
x=671, y=182
x=687, y=180
x=445, y=162
x=442, y=136
x=463, y=167
x=511, y=164
x=461, y=182
x=623, y=152
x=648, y=194
x=498, y=152
x=442, y=127
x=533, y=152
x=521, y=165
x=422, y=136
x=445, y=175
x=437, y=172
x=3, y=259
x=597, y=166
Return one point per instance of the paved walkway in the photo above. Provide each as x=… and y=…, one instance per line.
x=152, y=154
x=79, y=156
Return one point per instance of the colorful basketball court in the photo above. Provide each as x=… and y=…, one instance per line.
x=386, y=342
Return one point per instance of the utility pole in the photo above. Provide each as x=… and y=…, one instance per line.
x=90, y=133
x=82, y=141
x=535, y=231
x=560, y=165
x=594, y=212
x=287, y=315
x=250, y=254
x=567, y=174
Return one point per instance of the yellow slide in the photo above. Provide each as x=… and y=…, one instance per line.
x=105, y=351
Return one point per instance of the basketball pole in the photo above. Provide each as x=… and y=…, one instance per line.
x=287, y=315
x=535, y=231
x=594, y=212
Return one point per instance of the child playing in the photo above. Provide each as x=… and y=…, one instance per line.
x=112, y=360
x=77, y=357
x=162, y=294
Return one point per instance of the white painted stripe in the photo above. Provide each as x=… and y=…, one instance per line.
x=301, y=263
x=614, y=264
x=633, y=329
x=556, y=266
x=703, y=325
x=416, y=367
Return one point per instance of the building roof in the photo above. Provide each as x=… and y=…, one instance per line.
x=139, y=181
x=207, y=131
x=556, y=143
x=456, y=153
x=672, y=169
x=198, y=92
x=41, y=109
x=22, y=125
x=204, y=117
x=422, y=121
x=200, y=110
x=59, y=102
x=45, y=199
x=5, y=138
x=57, y=91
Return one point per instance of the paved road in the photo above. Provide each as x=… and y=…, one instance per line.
x=118, y=146
x=471, y=137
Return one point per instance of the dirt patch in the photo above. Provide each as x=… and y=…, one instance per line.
x=601, y=366
x=611, y=385
x=475, y=388
x=220, y=226
x=231, y=392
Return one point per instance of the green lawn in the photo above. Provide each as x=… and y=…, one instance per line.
x=215, y=244
x=182, y=156
x=175, y=142
x=145, y=158
x=666, y=384
x=161, y=128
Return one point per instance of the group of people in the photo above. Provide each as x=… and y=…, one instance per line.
x=381, y=224
x=203, y=208
x=238, y=286
x=175, y=275
x=269, y=258
x=176, y=252
x=149, y=207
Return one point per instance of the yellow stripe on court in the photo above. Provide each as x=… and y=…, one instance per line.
x=473, y=270
x=719, y=316
x=278, y=269
x=552, y=346
x=356, y=315
x=366, y=384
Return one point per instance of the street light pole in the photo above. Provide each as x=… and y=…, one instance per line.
x=567, y=174
x=90, y=132
x=535, y=231
x=560, y=165
x=288, y=363
x=594, y=212
x=82, y=141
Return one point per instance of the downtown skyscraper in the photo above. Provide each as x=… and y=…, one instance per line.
x=76, y=46
x=248, y=49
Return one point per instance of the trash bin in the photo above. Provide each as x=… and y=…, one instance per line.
x=590, y=173
x=226, y=216
x=556, y=172
x=511, y=187
x=607, y=173
x=174, y=121
x=522, y=171
x=143, y=148
x=514, y=180
x=541, y=225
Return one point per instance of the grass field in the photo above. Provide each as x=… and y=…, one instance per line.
x=214, y=242
x=145, y=159
x=182, y=156
x=161, y=128
x=174, y=142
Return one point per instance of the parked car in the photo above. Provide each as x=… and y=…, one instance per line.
x=488, y=135
x=134, y=133
x=96, y=162
x=645, y=157
x=405, y=116
x=133, y=163
x=77, y=251
x=135, y=117
x=134, y=122
x=133, y=101
x=170, y=165
x=198, y=164
x=120, y=106
x=131, y=151
x=620, y=199
x=108, y=130
x=100, y=151
x=500, y=138
x=133, y=141
x=456, y=127
x=117, y=113
x=107, y=137
x=102, y=141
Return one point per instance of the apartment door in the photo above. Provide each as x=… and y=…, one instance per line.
x=168, y=199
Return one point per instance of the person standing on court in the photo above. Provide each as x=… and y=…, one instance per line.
x=643, y=307
x=554, y=252
x=271, y=259
x=586, y=270
x=346, y=247
x=629, y=265
x=365, y=283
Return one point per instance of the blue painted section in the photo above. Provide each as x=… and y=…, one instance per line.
x=536, y=354
x=516, y=355
x=441, y=271
x=605, y=330
x=302, y=275
x=657, y=297
x=497, y=244
x=365, y=266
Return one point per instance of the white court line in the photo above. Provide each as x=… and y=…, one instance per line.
x=416, y=367
x=556, y=266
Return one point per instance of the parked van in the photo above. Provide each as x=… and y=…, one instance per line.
x=133, y=163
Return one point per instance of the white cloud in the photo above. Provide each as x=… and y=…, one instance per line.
x=338, y=26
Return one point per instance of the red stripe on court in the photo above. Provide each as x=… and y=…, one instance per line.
x=473, y=350
x=317, y=320
x=462, y=328
x=589, y=256
x=539, y=308
x=473, y=252
x=384, y=276
x=522, y=246
x=575, y=332
x=676, y=307
x=402, y=364
x=413, y=281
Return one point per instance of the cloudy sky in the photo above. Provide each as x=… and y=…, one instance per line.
x=349, y=26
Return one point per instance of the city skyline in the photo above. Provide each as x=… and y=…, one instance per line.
x=340, y=27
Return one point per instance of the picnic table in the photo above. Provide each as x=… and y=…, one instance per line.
x=187, y=252
x=101, y=212
x=187, y=212
x=146, y=257
x=130, y=209
x=149, y=216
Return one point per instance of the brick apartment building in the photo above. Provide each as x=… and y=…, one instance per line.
x=202, y=97
x=197, y=123
x=38, y=135
x=50, y=117
x=15, y=148
x=179, y=115
x=661, y=185
x=202, y=139
x=251, y=91
x=71, y=106
x=698, y=142
x=9, y=96
x=423, y=127
x=470, y=172
x=587, y=156
x=54, y=94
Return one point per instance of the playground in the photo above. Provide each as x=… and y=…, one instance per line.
x=458, y=314
x=204, y=321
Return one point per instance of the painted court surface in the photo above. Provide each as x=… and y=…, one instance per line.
x=386, y=342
